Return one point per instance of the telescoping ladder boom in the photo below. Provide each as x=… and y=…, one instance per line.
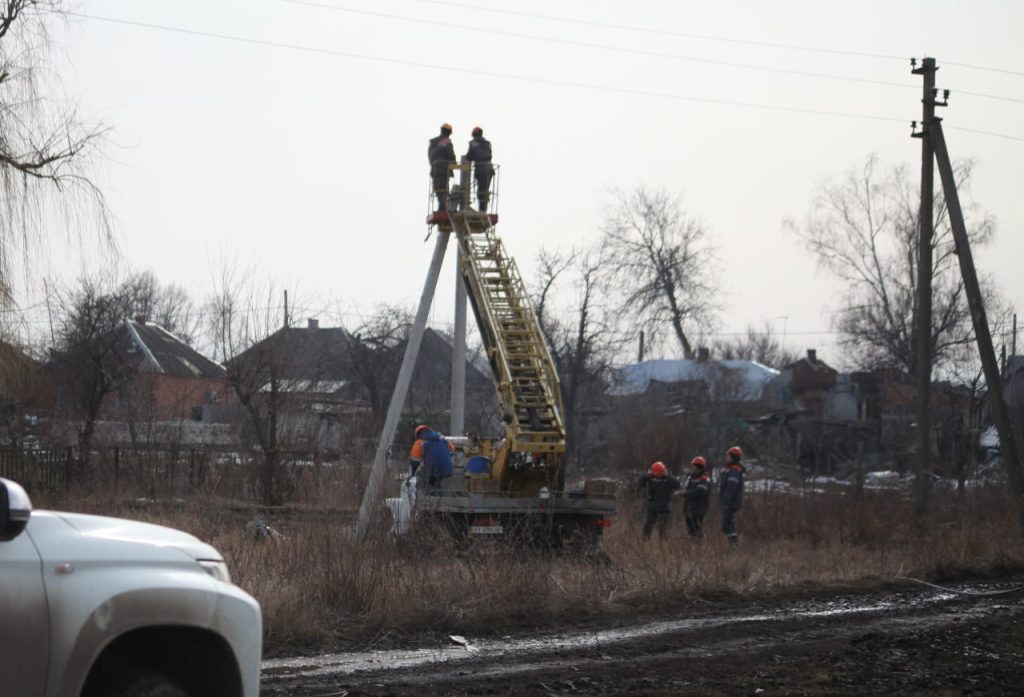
x=527, y=382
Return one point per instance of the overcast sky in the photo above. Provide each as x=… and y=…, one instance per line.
x=304, y=156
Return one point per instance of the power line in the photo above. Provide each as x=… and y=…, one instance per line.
x=980, y=132
x=987, y=96
x=704, y=37
x=981, y=67
x=603, y=47
x=662, y=32
x=634, y=51
x=487, y=73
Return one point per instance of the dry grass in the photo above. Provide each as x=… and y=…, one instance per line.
x=318, y=587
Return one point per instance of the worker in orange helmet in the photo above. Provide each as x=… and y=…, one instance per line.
x=659, y=486
x=441, y=152
x=430, y=458
x=479, y=154
x=730, y=492
x=696, y=495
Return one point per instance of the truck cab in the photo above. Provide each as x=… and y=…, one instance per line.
x=92, y=606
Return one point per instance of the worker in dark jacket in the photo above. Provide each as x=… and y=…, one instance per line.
x=430, y=459
x=696, y=494
x=479, y=154
x=659, y=486
x=730, y=493
x=440, y=153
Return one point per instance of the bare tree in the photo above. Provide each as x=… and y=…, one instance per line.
x=761, y=345
x=89, y=360
x=581, y=335
x=44, y=146
x=168, y=305
x=373, y=358
x=243, y=321
x=660, y=260
x=863, y=229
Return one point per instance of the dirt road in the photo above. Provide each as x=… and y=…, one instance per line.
x=922, y=641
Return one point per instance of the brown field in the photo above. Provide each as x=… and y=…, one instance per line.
x=320, y=589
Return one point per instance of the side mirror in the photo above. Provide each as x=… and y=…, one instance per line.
x=15, y=509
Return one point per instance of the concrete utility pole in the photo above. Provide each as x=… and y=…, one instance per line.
x=457, y=422
x=1008, y=446
x=457, y=427
x=922, y=465
x=412, y=349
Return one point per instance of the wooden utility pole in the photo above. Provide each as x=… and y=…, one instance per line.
x=922, y=464
x=1008, y=446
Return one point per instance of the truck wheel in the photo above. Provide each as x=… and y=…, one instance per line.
x=142, y=684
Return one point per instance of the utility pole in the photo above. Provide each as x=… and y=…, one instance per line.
x=922, y=464
x=1013, y=339
x=457, y=422
x=286, y=309
x=1008, y=446
x=412, y=349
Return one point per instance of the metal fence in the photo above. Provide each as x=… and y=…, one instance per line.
x=37, y=470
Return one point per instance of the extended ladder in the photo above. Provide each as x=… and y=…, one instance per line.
x=516, y=349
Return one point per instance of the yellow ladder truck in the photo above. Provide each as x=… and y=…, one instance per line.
x=513, y=483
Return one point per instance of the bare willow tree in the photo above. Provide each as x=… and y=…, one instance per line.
x=45, y=147
x=661, y=261
x=570, y=301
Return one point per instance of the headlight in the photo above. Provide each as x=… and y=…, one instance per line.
x=217, y=569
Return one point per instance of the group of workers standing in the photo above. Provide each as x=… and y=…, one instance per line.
x=441, y=154
x=660, y=487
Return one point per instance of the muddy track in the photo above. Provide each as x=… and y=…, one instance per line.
x=925, y=642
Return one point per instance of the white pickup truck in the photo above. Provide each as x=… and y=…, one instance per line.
x=104, y=607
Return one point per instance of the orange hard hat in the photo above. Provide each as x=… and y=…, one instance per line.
x=658, y=469
x=734, y=452
x=420, y=429
x=699, y=462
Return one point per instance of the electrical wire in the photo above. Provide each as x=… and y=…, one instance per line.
x=602, y=47
x=634, y=51
x=662, y=32
x=488, y=73
x=989, y=70
x=987, y=96
x=981, y=132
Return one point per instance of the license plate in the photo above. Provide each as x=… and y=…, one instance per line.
x=486, y=529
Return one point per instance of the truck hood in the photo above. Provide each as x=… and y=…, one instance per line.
x=130, y=531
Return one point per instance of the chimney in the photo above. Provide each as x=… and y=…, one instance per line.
x=313, y=324
x=812, y=355
x=703, y=353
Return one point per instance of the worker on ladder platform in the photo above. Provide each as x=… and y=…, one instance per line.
x=479, y=154
x=441, y=153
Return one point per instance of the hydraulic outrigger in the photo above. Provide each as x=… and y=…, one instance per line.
x=518, y=483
